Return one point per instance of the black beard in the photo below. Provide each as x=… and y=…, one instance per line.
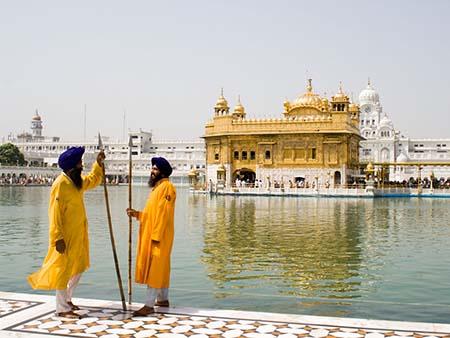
x=75, y=176
x=154, y=179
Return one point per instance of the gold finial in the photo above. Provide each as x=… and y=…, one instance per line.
x=239, y=99
x=368, y=81
x=221, y=91
x=309, y=86
x=341, y=91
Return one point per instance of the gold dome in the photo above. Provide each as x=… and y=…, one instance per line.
x=340, y=96
x=286, y=105
x=325, y=103
x=369, y=168
x=221, y=101
x=309, y=98
x=239, y=108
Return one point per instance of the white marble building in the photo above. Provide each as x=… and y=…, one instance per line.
x=182, y=154
x=385, y=144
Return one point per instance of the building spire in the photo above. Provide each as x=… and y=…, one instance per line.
x=309, y=86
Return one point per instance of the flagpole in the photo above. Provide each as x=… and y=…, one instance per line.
x=111, y=235
x=130, y=219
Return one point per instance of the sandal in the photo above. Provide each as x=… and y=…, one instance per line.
x=163, y=303
x=73, y=306
x=144, y=311
x=68, y=314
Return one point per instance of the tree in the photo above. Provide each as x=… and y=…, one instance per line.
x=10, y=155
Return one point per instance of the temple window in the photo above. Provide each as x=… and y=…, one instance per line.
x=252, y=155
x=267, y=154
x=236, y=155
x=216, y=156
x=244, y=155
x=313, y=153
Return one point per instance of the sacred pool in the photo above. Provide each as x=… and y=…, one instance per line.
x=382, y=258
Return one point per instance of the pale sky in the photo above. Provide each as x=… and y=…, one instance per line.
x=164, y=62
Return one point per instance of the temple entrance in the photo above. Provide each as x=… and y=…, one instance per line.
x=337, y=178
x=244, y=177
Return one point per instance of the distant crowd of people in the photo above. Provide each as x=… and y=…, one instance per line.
x=426, y=183
x=36, y=179
x=247, y=183
x=22, y=179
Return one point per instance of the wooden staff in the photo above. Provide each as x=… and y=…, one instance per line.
x=130, y=219
x=111, y=235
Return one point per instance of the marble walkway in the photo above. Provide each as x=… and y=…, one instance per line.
x=29, y=315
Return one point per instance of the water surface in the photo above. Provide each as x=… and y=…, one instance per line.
x=366, y=258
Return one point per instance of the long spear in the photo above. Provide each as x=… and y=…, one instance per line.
x=111, y=235
x=130, y=219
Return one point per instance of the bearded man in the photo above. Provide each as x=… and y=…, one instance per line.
x=156, y=235
x=68, y=251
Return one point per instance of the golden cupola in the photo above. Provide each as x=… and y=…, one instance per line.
x=340, y=95
x=309, y=99
x=325, y=103
x=221, y=107
x=239, y=110
x=287, y=106
x=340, y=101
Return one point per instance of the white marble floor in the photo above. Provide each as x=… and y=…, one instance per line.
x=29, y=315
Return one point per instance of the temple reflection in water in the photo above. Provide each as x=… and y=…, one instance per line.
x=310, y=248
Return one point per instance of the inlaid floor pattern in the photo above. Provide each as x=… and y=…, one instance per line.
x=8, y=306
x=109, y=323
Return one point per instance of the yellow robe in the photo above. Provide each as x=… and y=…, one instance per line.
x=156, y=223
x=67, y=220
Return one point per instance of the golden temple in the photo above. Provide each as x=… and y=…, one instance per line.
x=314, y=141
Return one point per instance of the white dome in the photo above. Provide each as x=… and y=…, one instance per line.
x=402, y=157
x=368, y=95
x=386, y=122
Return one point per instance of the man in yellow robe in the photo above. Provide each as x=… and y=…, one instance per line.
x=68, y=251
x=156, y=234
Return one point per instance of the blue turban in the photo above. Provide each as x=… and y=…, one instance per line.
x=163, y=165
x=70, y=158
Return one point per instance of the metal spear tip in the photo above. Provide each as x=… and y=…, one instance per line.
x=100, y=143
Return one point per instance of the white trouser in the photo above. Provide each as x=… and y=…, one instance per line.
x=65, y=295
x=156, y=294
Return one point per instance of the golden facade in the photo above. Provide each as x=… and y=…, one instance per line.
x=316, y=141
